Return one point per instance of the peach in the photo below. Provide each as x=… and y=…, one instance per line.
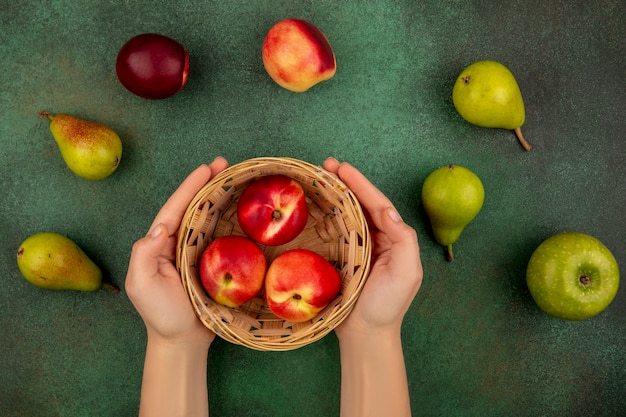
x=299, y=283
x=232, y=270
x=272, y=210
x=297, y=55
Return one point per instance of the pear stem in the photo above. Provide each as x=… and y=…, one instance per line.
x=520, y=137
x=449, y=253
x=46, y=114
x=110, y=287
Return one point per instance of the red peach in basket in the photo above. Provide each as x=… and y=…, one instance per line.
x=299, y=283
x=232, y=269
x=272, y=210
x=297, y=55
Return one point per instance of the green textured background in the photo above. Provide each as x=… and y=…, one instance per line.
x=475, y=342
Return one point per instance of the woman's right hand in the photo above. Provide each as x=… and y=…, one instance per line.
x=152, y=282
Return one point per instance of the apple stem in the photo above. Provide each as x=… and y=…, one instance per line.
x=110, y=287
x=520, y=137
x=449, y=253
x=584, y=280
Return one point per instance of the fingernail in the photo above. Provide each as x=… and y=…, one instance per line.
x=394, y=215
x=156, y=231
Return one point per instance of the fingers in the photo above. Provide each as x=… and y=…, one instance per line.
x=173, y=210
x=218, y=165
x=331, y=164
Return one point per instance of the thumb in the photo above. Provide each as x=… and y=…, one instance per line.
x=145, y=253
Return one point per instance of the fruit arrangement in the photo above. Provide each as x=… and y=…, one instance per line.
x=267, y=219
x=298, y=284
x=312, y=281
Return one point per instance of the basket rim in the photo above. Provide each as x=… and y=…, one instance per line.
x=314, y=331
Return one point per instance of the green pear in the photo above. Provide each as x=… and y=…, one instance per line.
x=91, y=150
x=486, y=94
x=452, y=197
x=53, y=261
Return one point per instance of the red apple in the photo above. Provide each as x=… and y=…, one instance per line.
x=297, y=55
x=299, y=283
x=152, y=66
x=232, y=269
x=272, y=210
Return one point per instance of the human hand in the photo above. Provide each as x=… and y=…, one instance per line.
x=396, y=271
x=153, y=284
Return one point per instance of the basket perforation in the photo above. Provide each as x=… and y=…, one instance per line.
x=336, y=229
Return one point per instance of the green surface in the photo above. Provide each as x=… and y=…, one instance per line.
x=475, y=342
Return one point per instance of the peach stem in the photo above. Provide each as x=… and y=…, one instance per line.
x=520, y=137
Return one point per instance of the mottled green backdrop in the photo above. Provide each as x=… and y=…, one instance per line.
x=475, y=342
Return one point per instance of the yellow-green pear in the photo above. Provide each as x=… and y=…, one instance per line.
x=452, y=197
x=486, y=94
x=53, y=261
x=91, y=150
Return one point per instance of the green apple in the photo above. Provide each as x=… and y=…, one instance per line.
x=572, y=276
